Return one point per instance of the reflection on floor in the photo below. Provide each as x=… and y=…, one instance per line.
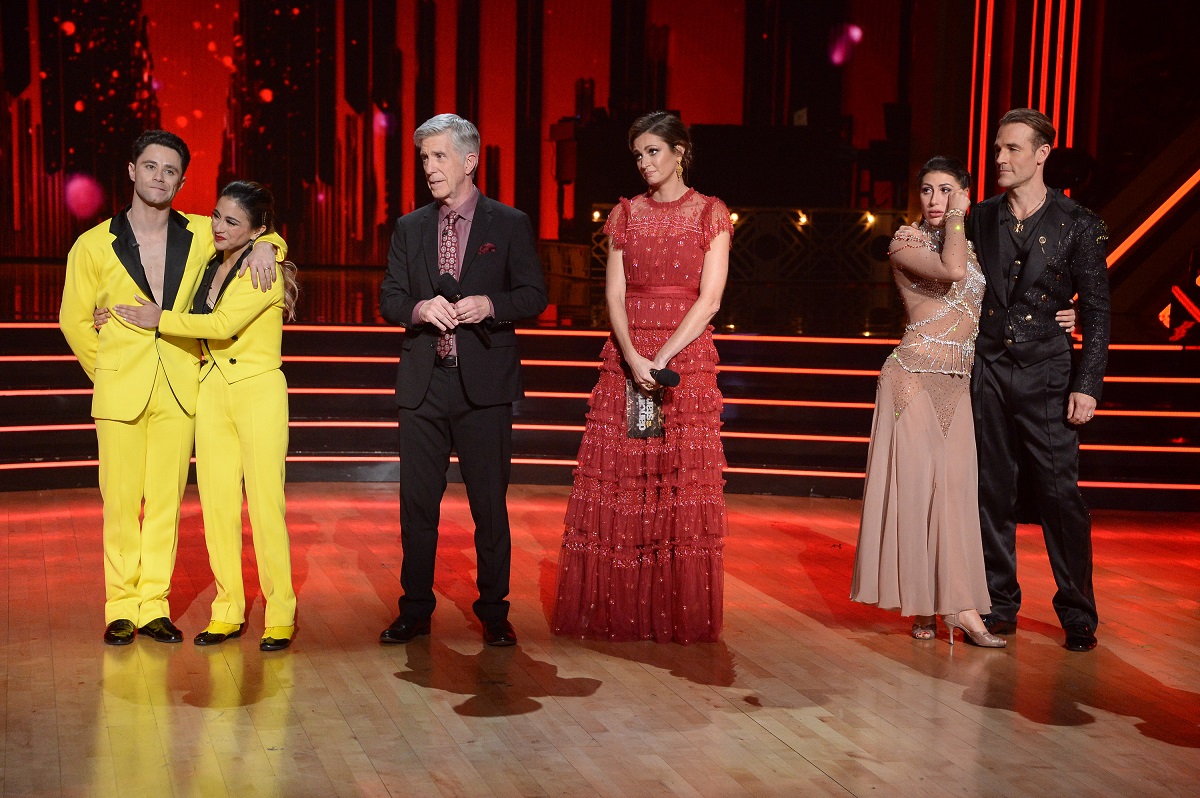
x=806, y=694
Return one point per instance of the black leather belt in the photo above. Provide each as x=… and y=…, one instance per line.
x=447, y=362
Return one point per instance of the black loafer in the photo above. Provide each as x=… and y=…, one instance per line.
x=212, y=638
x=499, y=633
x=1079, y=638
x=120, y=633
x=274, y=643
x=403, y=630
x=162, y=630
x=998, y=626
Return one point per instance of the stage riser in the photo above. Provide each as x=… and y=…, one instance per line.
x=571, y=370
x=765, y=419
x=1096, y=465
x=85, y=477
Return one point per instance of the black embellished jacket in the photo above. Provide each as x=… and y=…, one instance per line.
x=1066, y=257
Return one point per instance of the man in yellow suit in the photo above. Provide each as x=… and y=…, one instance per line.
x=145, y=384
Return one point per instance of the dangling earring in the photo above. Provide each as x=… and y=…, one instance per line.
x=679, y=169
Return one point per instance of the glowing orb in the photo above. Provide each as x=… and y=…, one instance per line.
x=83, y=196
x=842, y=40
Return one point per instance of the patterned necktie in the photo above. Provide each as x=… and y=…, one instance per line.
x=448, y=264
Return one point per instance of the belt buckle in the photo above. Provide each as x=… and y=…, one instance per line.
x=448, y=362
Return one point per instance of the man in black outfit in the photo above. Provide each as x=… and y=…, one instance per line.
x=1037, y=249
x=460, y=271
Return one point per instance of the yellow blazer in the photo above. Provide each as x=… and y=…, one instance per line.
x=104, y=269
x=244, y=331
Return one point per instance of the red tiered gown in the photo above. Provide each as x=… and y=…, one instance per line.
x=645, y=524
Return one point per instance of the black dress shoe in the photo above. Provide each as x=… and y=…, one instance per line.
x=499, y=633
x=274, y=643
x=404, y=630
x=207, y=638
x=1079, y=638
x=162, y=630
x=120, y=633
x=998, y=626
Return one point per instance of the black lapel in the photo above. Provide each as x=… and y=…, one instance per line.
x=200, y=298
x=229, y=276
x=479, y=230
x=989, y=235
x=179, y=244
x=125, y=247
x=429, y=242
x=1043, y=241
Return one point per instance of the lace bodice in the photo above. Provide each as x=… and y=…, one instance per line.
x=663, y=243
x=943, y=317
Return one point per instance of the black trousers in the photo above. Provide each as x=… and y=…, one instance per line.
x=482, y=436
x=1022, y=436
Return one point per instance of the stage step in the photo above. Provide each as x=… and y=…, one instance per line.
x=797, y=413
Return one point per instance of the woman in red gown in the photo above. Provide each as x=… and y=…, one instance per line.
x=645, y=524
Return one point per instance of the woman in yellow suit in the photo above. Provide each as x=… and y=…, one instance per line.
x=241, y=415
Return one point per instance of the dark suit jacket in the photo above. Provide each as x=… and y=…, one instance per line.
x=500, y=262
x=1066, y=256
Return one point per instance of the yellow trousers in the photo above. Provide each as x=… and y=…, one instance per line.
x=242, y=434
x=145, y=459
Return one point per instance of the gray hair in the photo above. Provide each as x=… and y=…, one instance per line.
x=464, y=136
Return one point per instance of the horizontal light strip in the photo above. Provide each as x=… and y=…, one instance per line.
x=1118, y=447
x=1153, y=218
x=776, y=436
x=54, y=392
x=1139, y=485
x=50, y=464
x=596, y=363
x=571, y=463
x=579, y=428
x=782, y=339
x=558, y=331
x=801, y=403
x=1174, y=380
x=339, y=359
x=1150, y=413
x=36, y=358
x=345, y=391
x=802, y=339
x=790, y=472
x=48, y=392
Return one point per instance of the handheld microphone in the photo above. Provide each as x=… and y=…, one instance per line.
x=666, y=377
x=449, y=288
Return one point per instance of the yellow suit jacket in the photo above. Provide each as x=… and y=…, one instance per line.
x=104, y=269
x=243, y=332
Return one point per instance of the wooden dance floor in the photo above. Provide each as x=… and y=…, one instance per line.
x=806, y=694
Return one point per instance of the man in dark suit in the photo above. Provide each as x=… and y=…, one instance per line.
x=1037, y=249
x=460, y=271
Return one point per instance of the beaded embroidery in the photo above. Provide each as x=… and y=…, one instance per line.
x=943, y=342
x=937, y=349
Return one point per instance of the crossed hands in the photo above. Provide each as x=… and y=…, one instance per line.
x=446, y=315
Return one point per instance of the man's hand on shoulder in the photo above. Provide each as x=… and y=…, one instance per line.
x=261, y=263
x=438, y=312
